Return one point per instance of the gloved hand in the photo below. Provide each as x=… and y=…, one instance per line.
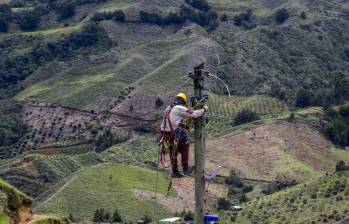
x=205, y=107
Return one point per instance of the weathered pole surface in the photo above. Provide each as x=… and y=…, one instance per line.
x=199, y=135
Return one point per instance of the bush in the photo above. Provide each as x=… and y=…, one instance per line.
x=159, y=102
x=223, y=204
x=303, y=15
x=187, y=216
x=3, y=25
x=116, y=216
x=12, y=128
x=245, y=20
x=224, y=18
x=199, y=4
x=245, y=116
x=29, y=20
x=282, y=15
x=66, y=9
x=337, y=128
x=144, y=128
x=341, y=166
x=146, y=219
x=119, y=16
x=234, y=180
x=304, y=98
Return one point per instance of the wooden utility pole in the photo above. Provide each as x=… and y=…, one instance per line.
x=199, y=134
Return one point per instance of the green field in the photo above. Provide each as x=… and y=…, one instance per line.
x=325, y=200
x=89, y=190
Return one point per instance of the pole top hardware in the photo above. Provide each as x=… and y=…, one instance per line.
x=199, y=72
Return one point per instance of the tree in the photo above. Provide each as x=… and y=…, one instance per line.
x=3, y=25
x=245, y=19
x=282, y=15
x=29, y=20
x=116, y=216
x=340, y=86
x=245, y=116
x=119, y=16
x=303, y=15
x=66, y=9
x=159, y=102
x=99, y=215
x=304, y=98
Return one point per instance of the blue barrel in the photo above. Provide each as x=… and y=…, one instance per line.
x=211, y=218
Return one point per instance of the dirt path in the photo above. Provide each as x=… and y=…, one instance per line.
x=36, y=218
x=185, y=199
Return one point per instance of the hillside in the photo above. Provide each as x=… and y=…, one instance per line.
x=324, y=200
x=14, y=205
x=303, y=52
x=83, y=85
x=275, y=152
x=108, y=187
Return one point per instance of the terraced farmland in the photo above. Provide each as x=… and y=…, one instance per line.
x=223, y=109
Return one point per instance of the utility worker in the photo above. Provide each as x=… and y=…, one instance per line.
x=175, y=132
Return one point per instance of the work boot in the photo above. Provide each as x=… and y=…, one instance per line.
x=176, y=174
x=187, y=170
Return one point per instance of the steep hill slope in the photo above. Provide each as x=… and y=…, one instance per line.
x=14, y=205
x=278, y=151
x=297, y=53
x=324, y=200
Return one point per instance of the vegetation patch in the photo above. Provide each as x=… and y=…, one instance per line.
x=108, y=187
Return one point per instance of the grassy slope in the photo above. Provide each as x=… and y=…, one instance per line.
x=326, y=198
x=89, y=191
x=14, y=199
x=3, y=218
x=156, y=58
x=223, y=109
x=33, y=173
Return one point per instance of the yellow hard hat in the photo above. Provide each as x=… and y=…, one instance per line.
x=182, y=96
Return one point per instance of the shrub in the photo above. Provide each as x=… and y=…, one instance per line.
x=116, y=216
x=159, y=102
x=247, y=188
x=119, y=16
x=3, y=25
x=187, y=216
x=282, y=15
x=304, y=98
x=234, y=180
x=29, y=20
x=146, y=219
x=303, y=15
x=199, y=4
x=144, y=128
x=224, y=18
x=223, y=204
x=337, y=128
x=245, y=20
x=245, y=116
x=66, y=9
x=340, y=166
